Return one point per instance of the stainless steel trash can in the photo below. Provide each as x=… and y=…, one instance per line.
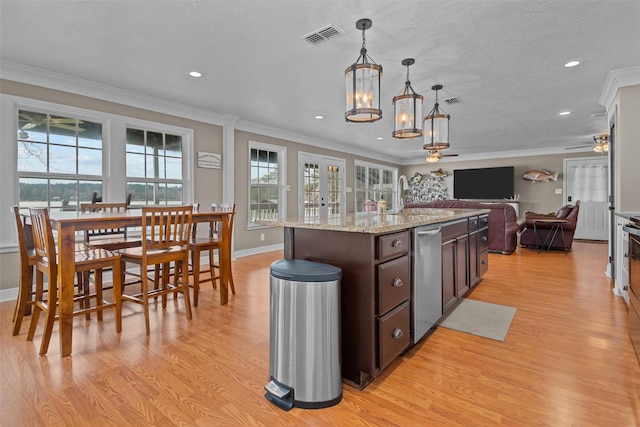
x=304, y=365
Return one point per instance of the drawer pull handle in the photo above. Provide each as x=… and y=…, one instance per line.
x=474, y=223
x=484, y=238
x=397, y=333
x=397, y=243
x=397, y=282
x=484, y=262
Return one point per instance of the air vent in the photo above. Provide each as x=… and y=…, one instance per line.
x=452, y=101
x=323, y=34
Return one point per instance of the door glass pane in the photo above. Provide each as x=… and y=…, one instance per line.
x=333, y=190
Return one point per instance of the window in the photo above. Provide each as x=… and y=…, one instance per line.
x=59, y=161
x=154, y=167
x=374, y=182
x=266, y=182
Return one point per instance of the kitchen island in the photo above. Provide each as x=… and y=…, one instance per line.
x=377, y=255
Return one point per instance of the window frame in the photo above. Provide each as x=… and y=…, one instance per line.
x=281, y=150
x=113, y=160
x=393, y=193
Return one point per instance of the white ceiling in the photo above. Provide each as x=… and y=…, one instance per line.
x=503, y=59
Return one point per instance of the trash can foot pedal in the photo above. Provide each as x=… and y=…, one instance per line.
x=279, y=394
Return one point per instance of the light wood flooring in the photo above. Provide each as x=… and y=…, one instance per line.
x=566, y=361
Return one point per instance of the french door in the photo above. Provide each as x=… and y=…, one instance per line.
x=321, y=183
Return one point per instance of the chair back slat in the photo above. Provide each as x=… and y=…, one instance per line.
x=214, y=229
x=25, y=236
x=163, y=227
x=104, y=207
x=43, y=240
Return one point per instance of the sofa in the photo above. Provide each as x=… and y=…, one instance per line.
x=545, y=230
x=503, y=221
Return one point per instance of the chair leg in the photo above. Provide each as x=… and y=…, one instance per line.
x=212, y=269
x=98, y=284
x=36, y=306
x=185, y=285
x=145, y=299
x=117, y=293
x=26, y=283
x=50, y=318
x=195, y=263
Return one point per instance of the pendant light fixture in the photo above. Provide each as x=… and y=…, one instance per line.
x=407, y=109
x=363, y=85
x=436, y=126
x=602, y=143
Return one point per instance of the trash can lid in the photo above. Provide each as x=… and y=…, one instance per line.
x=300, y=270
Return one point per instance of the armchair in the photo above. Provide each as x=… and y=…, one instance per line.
x=528, y=236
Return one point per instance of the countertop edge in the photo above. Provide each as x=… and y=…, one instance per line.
x=377, y=224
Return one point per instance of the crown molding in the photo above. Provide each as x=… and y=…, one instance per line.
x=615, y=80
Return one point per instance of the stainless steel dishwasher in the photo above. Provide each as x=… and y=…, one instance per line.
x=426, y=293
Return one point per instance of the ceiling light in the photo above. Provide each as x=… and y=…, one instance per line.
x=363, y=85
x=407, y=109
x=565, y=113
x=380, y=138
x=432, y=157
x=436, y=126
x=319, y=117
x=195, y=74
x=602, y=143
x=571, y=64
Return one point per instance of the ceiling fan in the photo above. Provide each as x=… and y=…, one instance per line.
x=600, y=144
x=434, y=156
x=34, y=120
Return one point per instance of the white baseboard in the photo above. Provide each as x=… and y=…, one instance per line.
x=8, y=294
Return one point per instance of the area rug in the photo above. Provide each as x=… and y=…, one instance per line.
x=480, y=318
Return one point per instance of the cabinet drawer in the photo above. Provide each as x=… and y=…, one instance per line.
x=483, y=262
x=393, y=334
x=454, y=229
x=474, y=223
x=484, y=221
x=483, y=239
x=393, y=283
x=393, y=245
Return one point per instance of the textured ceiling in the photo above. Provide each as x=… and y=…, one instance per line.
x=502, y=59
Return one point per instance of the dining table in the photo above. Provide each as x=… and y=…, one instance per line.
x=69, y=223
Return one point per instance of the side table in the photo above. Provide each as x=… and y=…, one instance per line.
x=556, y=225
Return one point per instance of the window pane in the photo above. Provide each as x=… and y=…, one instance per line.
x=155, y=143
x=62, y=159
x=135, y=165
x=32, y=157
x=66, y=190
x=135, y=141
x=89, y=161
x=90, y=135
x=155, y=167
x=174, y=145
x=137, y=190
x=87, y=188
x=174, y=168
x=34, y=193
x=174, y=194
x=62, y=130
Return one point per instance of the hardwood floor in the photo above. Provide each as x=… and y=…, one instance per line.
x=566, y=361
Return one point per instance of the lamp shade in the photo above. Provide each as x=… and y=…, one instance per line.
x=362, y=80
x=436, y=127
x=407, y=110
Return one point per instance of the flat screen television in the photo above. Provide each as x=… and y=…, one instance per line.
x=483, y=183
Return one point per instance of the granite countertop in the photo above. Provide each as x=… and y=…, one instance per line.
x=627, y=215
x=375, y=223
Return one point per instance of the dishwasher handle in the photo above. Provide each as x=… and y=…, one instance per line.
x=433, y=232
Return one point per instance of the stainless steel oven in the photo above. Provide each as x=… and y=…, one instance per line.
x=633, y=228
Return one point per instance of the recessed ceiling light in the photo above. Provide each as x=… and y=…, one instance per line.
x=571, y=64
x=565, y=113
x=195, y=73
x=319, y=117
x=380, y=138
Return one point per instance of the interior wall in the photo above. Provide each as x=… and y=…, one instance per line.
x=249, y=238
x=627, y=149
x=537, y=197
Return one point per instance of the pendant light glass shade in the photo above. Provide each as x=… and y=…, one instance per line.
x=602, y=143
x=436, y=127
x=407, y=109
x=362, y=80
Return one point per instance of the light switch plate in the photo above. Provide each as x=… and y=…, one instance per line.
x=558, y=190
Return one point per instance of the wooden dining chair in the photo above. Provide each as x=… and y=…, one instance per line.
x=47, y=265
x=210, y=243
x=28, y=260
x=166, y=232
x=109, y=238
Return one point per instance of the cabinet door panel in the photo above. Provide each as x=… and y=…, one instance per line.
x=448, y=275
x=393, y=283
x=462, y=265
